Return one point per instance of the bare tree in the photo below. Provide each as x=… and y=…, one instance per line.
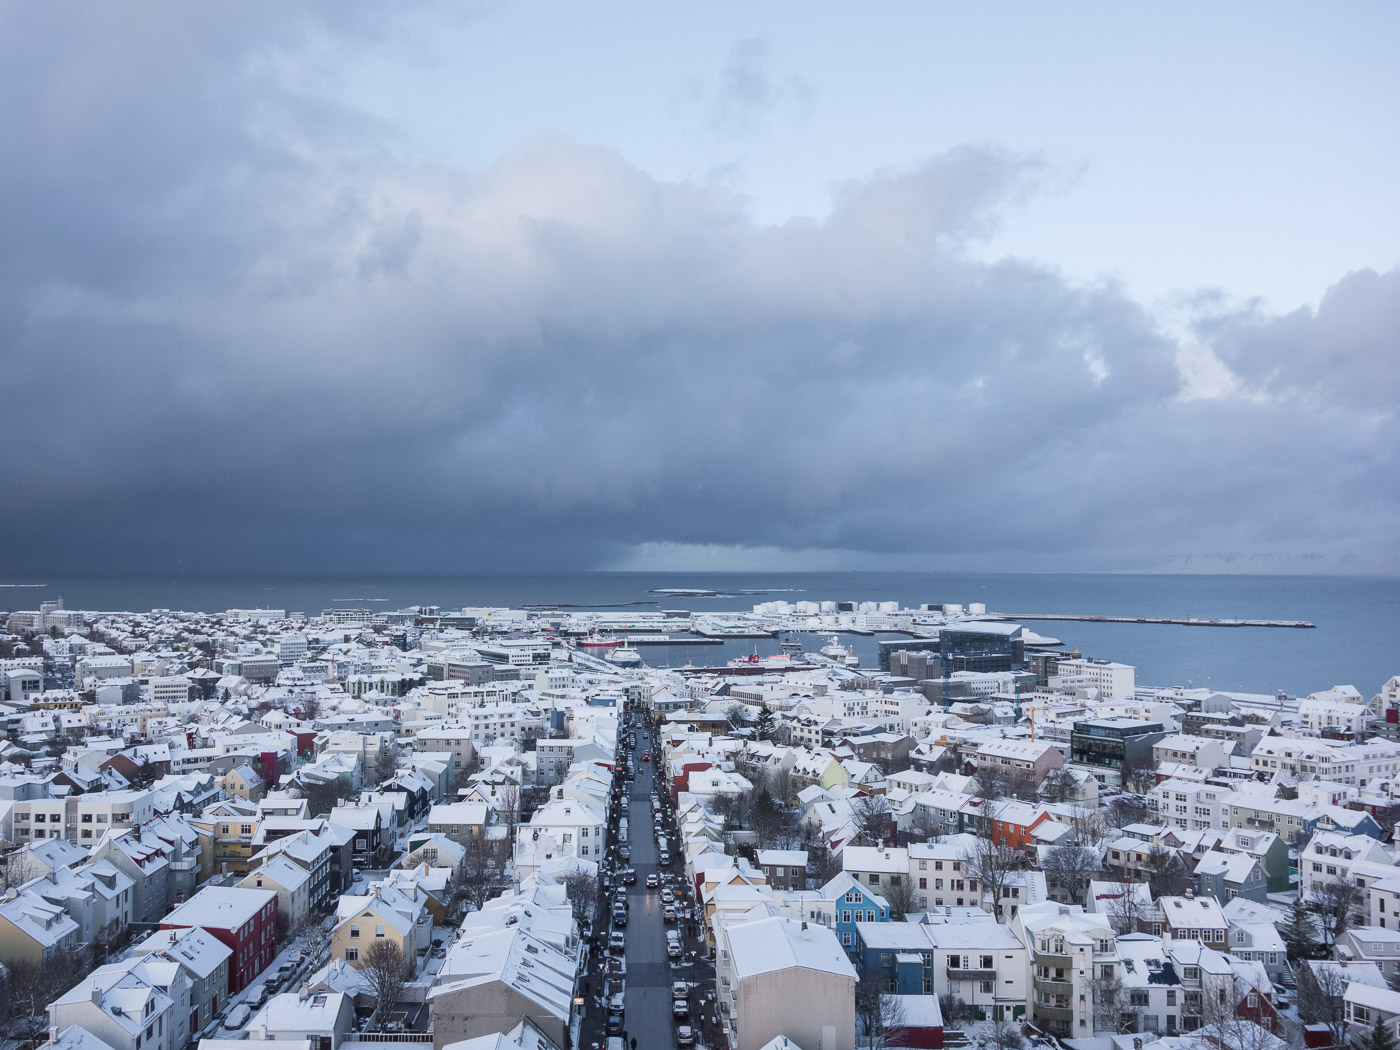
x=317, y=935
x=872, y=813
x=1335, y=901
x=582, y=892
x=1088, y=824
x=892, y=1019
x=994, y=782
x=1168, y=875
x=1006, y=1035
x=508, y=807
x=1321, y=986
x=310, y=707
x=1138, y=777
x=781, y=787
x=1125, y=911
x=18, y=867
x=1068, y=869
x=1125, y=810
x=478, y=875
x=870, y=990
x=992, y=866
x=321, y=796
x=900, y=896
x=385, y=970
x=1055, y=786
x=1110, y=1001
x=1222, y=1028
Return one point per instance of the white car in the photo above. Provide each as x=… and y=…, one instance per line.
x=238, y=1016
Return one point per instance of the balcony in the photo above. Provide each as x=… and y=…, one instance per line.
x=1062, y=1014
x=1052, y=961
x=969, y=973
x=1053, y=985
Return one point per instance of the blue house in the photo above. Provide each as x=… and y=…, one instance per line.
x=851, y=903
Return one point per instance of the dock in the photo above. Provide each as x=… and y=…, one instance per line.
x=1182, y=621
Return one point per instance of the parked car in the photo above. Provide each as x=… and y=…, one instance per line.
x=238, y=1016
x=629, y=876
x=669, y=913
x=674, y=950
x=617, y=940
x=680, y=1010
x=685, y=1036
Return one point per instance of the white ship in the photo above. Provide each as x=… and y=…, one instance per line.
x=834, y=650
x=625, y=656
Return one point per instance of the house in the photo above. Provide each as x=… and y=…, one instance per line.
x=562, y=827
x=982, y=964
x=459, y=821
x=245, y=920
x=853, y=903
x=1365, y=1005
x=326, y=1018
x=133, y=1005
x=920, y=1024
x=290, y=881
x=1152, y=998
x=1194, y=919
x=785, y=869
x=1226, y=876
x=783, y=977
x=1372, y=944
x=1027, y=761
x=398, y=914
x=242, y=781
x=493, y=978
x=33, y=931
x=1069, y=949
x=204, y=959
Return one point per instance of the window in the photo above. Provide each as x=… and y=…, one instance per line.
x=378, y=931
x=874, y=878
x=354, y=931
x=352, y=954
x=923, y=884
x=1171, y=996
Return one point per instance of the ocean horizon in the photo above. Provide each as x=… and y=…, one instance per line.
x=1356, y=640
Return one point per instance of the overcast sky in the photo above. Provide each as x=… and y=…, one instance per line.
x=535, y=286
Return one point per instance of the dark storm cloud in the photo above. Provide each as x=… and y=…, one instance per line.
x=232, y=332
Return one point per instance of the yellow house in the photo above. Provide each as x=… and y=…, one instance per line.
x=396, y=914
x=33, y=930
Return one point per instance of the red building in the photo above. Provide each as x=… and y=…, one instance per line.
x=243, y=919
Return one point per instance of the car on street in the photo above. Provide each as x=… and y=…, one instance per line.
x=617, y=941
x=674, y=950
x=680, y=1010
x=238, y=1016
x=646, y=757
x=615, y=1022
x=629, y=875
x=668, y=896
x=685, y=1036
x=619, y=916
x=663, y=857
x=653, y=881
x=669, y=913
x=626, y=854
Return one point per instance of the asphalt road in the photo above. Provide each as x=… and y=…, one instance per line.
x=648, y=970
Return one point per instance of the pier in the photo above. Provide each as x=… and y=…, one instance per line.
x=1183, y=621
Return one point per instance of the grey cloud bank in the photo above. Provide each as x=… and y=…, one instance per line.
x=236, y=331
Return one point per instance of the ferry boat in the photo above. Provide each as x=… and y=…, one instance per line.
x=837, y=652
x=625, y=656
